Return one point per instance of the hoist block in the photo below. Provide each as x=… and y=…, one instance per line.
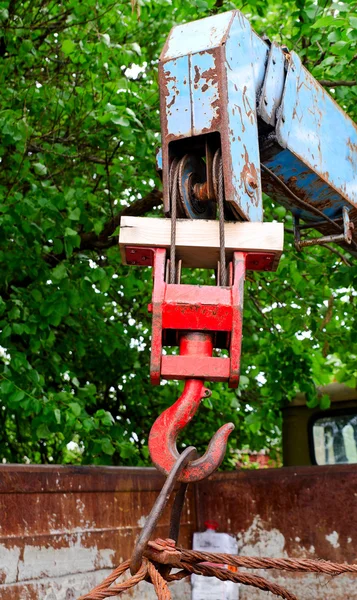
x=179, y=309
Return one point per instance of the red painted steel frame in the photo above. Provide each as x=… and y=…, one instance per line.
x=182, y=308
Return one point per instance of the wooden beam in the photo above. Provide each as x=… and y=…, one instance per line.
x=197, y=241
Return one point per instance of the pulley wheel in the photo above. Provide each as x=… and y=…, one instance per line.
x=192, y=170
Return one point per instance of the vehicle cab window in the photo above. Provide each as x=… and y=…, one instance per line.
x=334, y=438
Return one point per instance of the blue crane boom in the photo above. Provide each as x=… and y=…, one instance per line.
x=226, y=94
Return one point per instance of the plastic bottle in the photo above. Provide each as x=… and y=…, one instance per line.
x=211, y=588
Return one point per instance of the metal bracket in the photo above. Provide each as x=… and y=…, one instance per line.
x=346, y=236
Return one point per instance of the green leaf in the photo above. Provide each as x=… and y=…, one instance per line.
x=70, y=232
x=75, y=214
x=68, y=46
x=6, y=387
x=75, y=408
x=59, y=272
x=120, y=121
x=43, y=431
x=40, y=169
x=127, y=450
x=107, y=447
x=17, y=396
x=326, y=22
x=325, y=402
x=36, y=294
x=4, y=14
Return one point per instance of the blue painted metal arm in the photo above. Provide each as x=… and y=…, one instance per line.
x=279, y=131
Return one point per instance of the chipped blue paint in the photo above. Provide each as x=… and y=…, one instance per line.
x=242, y=148
x=217, y=75
x=178, y=101
x=204, y=92
x=317, y=131
x=273, y=86
x=197, y=36
x=159, y=160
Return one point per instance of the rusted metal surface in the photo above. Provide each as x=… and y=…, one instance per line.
x=63, y=529
x=218, y=85
x=224, y=87
x=346, y=236
x=273, y=86
x=304, y=512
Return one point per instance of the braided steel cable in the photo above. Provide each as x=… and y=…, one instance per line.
x=222, y=246
x=252, y=562
x=243, y=578
x=159, y=583
x=192, y=561
x=172, y=276
x=107, y=590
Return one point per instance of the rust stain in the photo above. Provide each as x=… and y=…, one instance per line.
x=211, y=75
x=241, y=117
x=352, y=145
x=197, y=76
x=247, y=107
x=286, y=501
x=172, y=101
x=249, y=176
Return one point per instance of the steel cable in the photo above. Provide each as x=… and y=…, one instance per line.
x=191, y=561
x=222, y=247
x=173, y=225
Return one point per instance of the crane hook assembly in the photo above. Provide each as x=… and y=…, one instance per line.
x=199, y=320
x=235, y=121
x=163, y=434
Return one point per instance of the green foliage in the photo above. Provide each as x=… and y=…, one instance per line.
x=79, y=127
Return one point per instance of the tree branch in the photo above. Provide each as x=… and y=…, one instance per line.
x=91, y=241
x=337, y=83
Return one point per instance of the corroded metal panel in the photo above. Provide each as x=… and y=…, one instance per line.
x=240, y=148
x=272, y=90
x=204, y=92
x=175, y=74
x=305, y=512
x=225, y=69
x=199, y=36
x=317, y=131
x=251, y=91
x=63, y=529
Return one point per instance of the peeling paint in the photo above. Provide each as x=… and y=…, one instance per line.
x=333, y=539
x=8, y=564
x=258, y=541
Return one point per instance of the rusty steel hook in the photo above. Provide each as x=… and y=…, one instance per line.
x=164, y=432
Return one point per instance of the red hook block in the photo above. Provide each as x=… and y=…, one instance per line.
x=178, y=308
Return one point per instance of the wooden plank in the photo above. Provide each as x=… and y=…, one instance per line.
x=197, y=241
